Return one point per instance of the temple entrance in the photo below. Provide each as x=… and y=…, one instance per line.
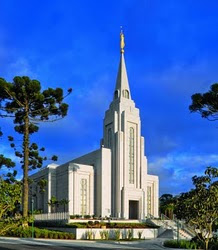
x=133, y=209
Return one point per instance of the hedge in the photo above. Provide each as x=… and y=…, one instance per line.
x=39, y=233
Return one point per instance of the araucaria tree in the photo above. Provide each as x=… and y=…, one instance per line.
x=25, y=102
x=199, y=207
x=206, y=104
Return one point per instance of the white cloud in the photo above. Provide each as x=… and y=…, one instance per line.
x=20, y=67
x=176, y=169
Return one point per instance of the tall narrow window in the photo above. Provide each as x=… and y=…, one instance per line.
x=109, y=138
x=83, y=194
x=149, y=200
x=126, y=93
x=131, y=156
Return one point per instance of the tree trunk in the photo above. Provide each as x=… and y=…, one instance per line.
x=26, y=163
x=206, y=244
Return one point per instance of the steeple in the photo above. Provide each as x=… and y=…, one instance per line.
x=122, y=85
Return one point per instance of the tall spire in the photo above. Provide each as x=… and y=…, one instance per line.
x=122, y=85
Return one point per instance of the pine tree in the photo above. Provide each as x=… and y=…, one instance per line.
x=25, y=102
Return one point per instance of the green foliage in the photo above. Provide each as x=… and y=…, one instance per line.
x=129, y=235
x=39, y=233
x=167, y=205
x=140, y=234
x=181, y=244
x=106, y=234
x=8, y=224
x=199, y=206
x=206, y=104
x=128, y=225
x=97, y=224
x=64, y=203
x=117, y=234
x=10, y=196
x=89, y=235
x=101, y=235
x=87, y=216
x=25, y=102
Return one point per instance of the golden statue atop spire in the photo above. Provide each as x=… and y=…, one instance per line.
x=122, y=44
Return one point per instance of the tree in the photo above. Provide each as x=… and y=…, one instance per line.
x=167, y=205
x=25, y=102
x=64, y=202
x=53, y=203
x=199, y=207
x=10, y=196
x=206, y=104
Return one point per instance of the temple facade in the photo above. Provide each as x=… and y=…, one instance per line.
x=112, y=180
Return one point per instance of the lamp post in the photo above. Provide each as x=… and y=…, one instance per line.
x=32, y=203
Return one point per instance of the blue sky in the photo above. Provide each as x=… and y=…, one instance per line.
x=171, y=52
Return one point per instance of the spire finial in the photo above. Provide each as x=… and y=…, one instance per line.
x=122, y=44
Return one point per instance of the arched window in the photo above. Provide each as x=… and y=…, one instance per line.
x=116, y=94
x=131, y=155
x=109, y=138
x=126, y=93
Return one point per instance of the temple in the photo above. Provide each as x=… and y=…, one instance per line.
x=112, y=181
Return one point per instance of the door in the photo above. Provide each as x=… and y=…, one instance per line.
x=133, y=209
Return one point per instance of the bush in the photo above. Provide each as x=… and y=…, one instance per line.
x=39, y=233
x=102, y=235
x=117, y=234
x=50, y=235
x=106, y=234
x=89, y=235
x=129, y=235
x=87, y=216
x=77, y=225
x=129, y=225
x=181, y=244
x=140, y=234
x=55, y=235
x=90, y=223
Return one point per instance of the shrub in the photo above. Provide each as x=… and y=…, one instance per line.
x=106, y=234
x=65, y=236
x=61, y=236
x=46, y=232
x=87, y=216
x=102, y=235
x=77, y=225
x=89, y=235
x=55, y=236
x=129, y=235
x=90, y=223
x=181, y=244
x=50, y=235
x=71, y=236
x=140, y=234
x=117, y=234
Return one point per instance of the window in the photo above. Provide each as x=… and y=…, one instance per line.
x=149, y=200
x=116, y=94
x=109, y=138
x=131, y=156
x=83, y=194
x=126, y=93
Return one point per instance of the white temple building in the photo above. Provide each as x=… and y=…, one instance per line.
x=112, y=180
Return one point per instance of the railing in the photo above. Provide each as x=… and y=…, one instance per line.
x=181, y=224
x=52, y=216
